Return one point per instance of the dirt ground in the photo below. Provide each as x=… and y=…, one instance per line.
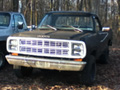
x=107, y=78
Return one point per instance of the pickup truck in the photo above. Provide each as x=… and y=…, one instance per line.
x=10, y=23
x=64, y=41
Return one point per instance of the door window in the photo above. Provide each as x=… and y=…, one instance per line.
x=97, y=25
x=18, y=18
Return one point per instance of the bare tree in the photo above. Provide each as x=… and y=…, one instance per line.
x=118, y=31
x=106, y=10
x=1, y=6
x=15, y=5
x=118, y=1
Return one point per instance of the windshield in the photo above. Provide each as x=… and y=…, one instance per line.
x=4, y=19
x=67, y=21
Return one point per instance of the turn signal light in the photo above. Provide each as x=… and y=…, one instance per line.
x=78, y=60
x=15, y=54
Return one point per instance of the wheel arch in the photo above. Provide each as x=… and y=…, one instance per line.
x=110, y=42
x=93, y=53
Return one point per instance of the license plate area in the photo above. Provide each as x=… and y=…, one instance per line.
x=42, y=64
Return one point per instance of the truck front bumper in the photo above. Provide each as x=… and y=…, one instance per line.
x=54, y=64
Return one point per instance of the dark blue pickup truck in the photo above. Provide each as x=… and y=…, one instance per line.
x=10, y=23
x=64, y=41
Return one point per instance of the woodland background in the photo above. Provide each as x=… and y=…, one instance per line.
x=107, y=77
x=33, y=10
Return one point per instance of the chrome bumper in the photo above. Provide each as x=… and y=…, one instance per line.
x=44, y=63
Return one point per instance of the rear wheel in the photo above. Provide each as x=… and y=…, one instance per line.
x=21, y=71
x=87, y=76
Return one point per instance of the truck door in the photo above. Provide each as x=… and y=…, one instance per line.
x=18, y=18
x=100, y=35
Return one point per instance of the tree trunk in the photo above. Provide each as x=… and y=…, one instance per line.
x=51, y=5
x=31, y=13
x=15, y=5
x=81, y=5
x=118, y=15
x=89, y=7
x=85, y=5
x=2, y=4
x=118, y=31
x=106, y=10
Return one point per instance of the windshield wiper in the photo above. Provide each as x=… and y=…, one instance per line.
x=74, y=28
x=51, y=27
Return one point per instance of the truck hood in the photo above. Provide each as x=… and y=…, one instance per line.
x=72, y=35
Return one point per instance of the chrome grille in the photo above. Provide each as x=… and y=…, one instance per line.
x=44, y=47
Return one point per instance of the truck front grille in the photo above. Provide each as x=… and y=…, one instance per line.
x=44, y=47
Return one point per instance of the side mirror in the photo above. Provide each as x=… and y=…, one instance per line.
x=105, y=29
x=20, y=25
x=33, y=27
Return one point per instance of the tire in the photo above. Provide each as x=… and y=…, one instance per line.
x=2, y=60
x=104, y=58
x=21, y=71
x=87, y=76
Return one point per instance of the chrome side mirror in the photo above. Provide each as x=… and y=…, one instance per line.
x=105, y=29
x=20, y=25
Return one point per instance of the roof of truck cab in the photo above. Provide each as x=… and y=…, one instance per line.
x=72, y=12
x=10, y=12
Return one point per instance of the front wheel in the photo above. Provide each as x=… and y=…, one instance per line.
x=87, y=76
x=2, y=60
x=21, y=71
x=104, y=58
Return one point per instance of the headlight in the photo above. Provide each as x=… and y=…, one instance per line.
x=13, y=48
x=13, y=44
x=78, y=49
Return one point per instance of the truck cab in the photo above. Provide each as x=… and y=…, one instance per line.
x=10, y=23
